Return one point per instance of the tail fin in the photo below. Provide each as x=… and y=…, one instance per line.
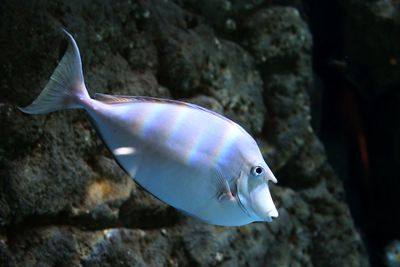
x=66, y=88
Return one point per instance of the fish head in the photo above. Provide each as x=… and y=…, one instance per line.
x=253, y=192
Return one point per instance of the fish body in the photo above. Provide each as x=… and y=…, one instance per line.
x=187, y=156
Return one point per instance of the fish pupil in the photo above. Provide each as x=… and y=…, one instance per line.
x=257, y=170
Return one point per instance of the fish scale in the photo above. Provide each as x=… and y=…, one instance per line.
x=187, y=156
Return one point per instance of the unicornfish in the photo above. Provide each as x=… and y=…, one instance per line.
x=189, y=157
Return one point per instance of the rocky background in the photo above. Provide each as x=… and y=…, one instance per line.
x=65, y=202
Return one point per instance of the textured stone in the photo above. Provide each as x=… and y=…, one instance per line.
x=220, y=12
x=265, y=40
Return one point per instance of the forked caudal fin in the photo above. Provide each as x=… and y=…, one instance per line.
x=66, y=87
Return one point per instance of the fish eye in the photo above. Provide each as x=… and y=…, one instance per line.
x=257, y=170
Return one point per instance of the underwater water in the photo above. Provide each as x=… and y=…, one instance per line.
x=314, y=82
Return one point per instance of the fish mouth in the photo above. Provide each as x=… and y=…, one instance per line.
x=271, y=215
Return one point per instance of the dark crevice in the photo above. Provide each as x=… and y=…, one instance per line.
x=355, y=130
x=145, y=218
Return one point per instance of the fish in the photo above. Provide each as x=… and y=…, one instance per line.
x=187, y=156
x=392, y=254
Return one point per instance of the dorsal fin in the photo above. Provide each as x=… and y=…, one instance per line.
x=113, y=99
x=120, y=99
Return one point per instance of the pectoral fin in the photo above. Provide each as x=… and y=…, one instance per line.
x=223, y=189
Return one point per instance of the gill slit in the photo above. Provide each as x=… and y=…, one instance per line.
x=237, y=194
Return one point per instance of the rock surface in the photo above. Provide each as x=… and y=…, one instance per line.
x=65, y=202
